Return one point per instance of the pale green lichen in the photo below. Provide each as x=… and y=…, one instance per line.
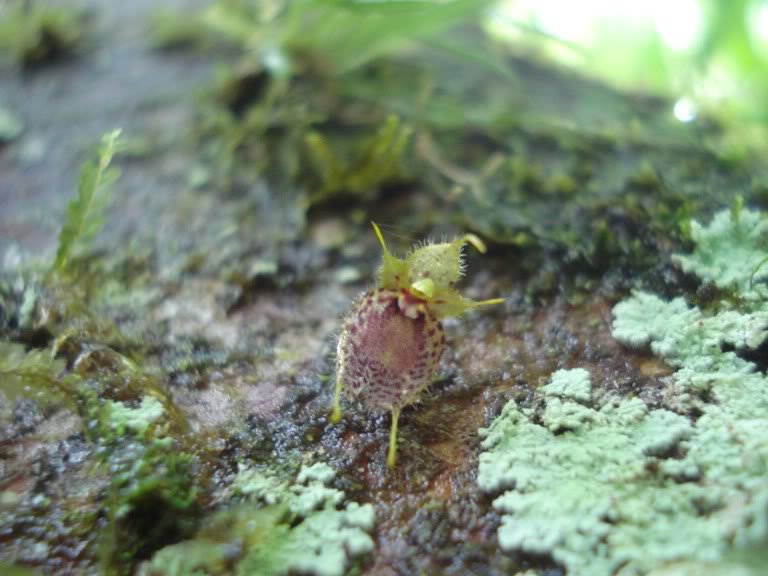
x=588, y=496
x=573, y=384
x=260, y=485
x=321, y=544
x=621, y=489
x=561, y=414
x=123, y=418
x=308, y=493
x=250, y=541
x=729, y=250
x=313, y=497
x=301, y=528
x=565, y=415
x=318, y=472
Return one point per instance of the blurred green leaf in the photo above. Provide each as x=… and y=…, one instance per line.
x=351, y=33
x=35, y=373
x=86, y=212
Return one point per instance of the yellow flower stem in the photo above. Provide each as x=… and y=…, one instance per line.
x=392, y=455
x=336, y=408
x=490, y=302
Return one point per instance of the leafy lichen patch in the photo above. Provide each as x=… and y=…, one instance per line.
x=318, y=472
x=623, y=489
x=246, y=540
x=309, y=492
x=729, y=250
x=590, y=496
x=139, y=419
x=570, y=384
x=297, y=528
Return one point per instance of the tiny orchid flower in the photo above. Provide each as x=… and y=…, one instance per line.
x=391, y=342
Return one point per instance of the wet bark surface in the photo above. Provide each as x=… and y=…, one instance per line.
x=231, y=300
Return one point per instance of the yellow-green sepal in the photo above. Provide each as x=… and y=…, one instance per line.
x=394, y=271
x=448, y=302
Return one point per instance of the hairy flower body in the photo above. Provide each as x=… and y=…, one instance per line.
x=391, y=342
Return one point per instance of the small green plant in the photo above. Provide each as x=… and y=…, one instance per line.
x=302, y=63
x=34, y=33
x=86, y=212
x=377, y=161
x=35, y=373
x=177, y=29
x=281, y=527
x=343, y=34
x=152, y=500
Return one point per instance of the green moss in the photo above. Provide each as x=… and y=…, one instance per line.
x=35, y=33
x=35, y=373
x=375, y=162
x=562, y=185
x=246, y=103
x=152, y=501
x=524, y=175
x=155, y=484
x=646, y=177
x=177, y=29
x=300, y=530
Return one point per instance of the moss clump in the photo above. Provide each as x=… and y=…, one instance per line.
x=177, y=29
x=525, y=176
x=35, y=33
x=36, y=374
x=153, y=497
x=155, y=490
x=376, y=162
x=646, y=177
x=298, y=531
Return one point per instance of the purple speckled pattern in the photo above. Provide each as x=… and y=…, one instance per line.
x=385, y=358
